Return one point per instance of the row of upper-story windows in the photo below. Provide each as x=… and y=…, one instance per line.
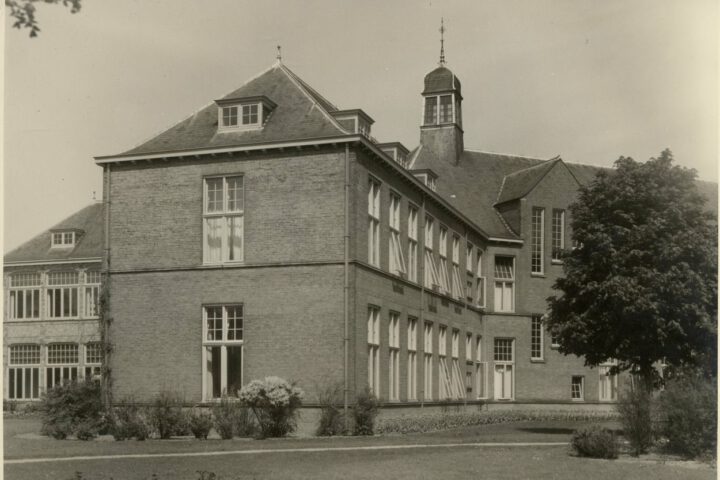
x=538, y=235
x=53, y=295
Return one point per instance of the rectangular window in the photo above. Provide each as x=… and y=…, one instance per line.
x=428, y=364
x=480, y=281
x=230, y=116
x=250, y=114
x=64, y=360
x=504, y=284
x=93, y=360
x=24, y=372
x=431, y=112
x=92, y=293
x=469, y=258
x=446, y=113
x=443, y=264
x=412, y=243
x=468, y=347
x=481, y=388
x=24, y=296
x=432, y=277
x=373, y=332
x=457, y=283
x=458, y=389
x=536, y=337
x=444, y=381
x=397, y=259
x=558, y=234
x=223, y=215
x=222, y=354
x=577, y=388
x=538, y=243
x=62, y=239
x=394, y=357
x=412, y=359
x=504, y=367
x=374, y=223
x=607, y=384
x=62, y=295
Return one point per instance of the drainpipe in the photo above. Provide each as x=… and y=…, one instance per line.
x=346, y=287
x=421, y=327
x=106, y=271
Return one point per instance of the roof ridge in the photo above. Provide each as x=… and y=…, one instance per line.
x=508, y=155
x=299, y=84
x=544, y=163
x=414, y=155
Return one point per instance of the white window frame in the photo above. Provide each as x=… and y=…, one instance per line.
x=443, y=263
x=458, y=291
x=506, y=367
x=412, y=359
x=428, y=361
x=243, y=111
x=63, y=287
x=374, y=222
x=434, y=100
x=394, y=357
x=537, y=337
x=62, y=239
x=481, y=290
x=577, y=395
x=373, y=340
x=24, y=293
x=537, y=242
x=481, y=371
x=91, y=297
x=607, y=384
x=223, y=342
x=503, y=286
x=93, y=360
x=558, y=234
x=397, y=259
x=26, y=382
x=412, y=261
x=227, y=217
x=432, y=277
x=65, y=367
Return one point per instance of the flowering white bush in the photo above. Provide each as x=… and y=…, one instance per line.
x=274, y=402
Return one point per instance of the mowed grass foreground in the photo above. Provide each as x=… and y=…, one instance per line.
x=436, y=462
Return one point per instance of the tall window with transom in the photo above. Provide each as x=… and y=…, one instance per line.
x=222, y=354
x=223, y=214
x=374, y=223
x=394, y=357
x=397, y=259
x=373, y=340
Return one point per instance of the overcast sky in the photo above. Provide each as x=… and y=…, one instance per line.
x=585, y=79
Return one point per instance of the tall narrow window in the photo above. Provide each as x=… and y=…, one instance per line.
x=558, y=234
x=62, y=359
x=92, y=293
x=374, y=223
x=428, y=363
x=481, y=387
x=504, y=366
x=397, y=259
x=93, y=360
x=412, y=359
x=222, y=355
x=504, y=284
x=63, y=294
x=431, y=110
x=538, y=244
x=446, y=113
x=536, y=337
x=412, y=243
x=469, y=258
x=457, y=385
x=443, y=265
x=480, y=280
x=223, y=219
x=577, y=388
x=394, y=357
x=457, y=283
x=24, y=372
x=24, y=296
x=444, y=383
x=607, y=383
x=373, y=331
x=432, y=278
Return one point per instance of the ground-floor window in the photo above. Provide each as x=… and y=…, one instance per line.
x=373, y=331
x=577, y=387
x=481, y=380
x=504, y=366
x=222, y=350
x=428, y=377
x=93, y=360
x=62, y=359
x=24, y=372
x=607, y=385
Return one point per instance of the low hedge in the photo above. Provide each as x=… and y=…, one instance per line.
x=447, y=421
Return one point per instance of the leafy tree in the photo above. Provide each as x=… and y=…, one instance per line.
x=23, y=11
x=642, y=285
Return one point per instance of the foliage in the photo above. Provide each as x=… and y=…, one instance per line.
x=275, y=403
x=131, y=421
x=446, y=421
x=72, y=408
x=637, y=407
x=23, y=11
x=224, y=416
x=364, y=412
x=689, y=410
x=167, y=415
x=332, y=420
x=642, y=285
x=594, y=441
x=9, y=406
x=200, y=424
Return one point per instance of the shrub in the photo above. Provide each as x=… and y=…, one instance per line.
x=364, y=412
x=166, y=414
x=225, y=416
x=131, y=421
x=72, y=408
x=594, y=441
x=245, y=425
x=332, y=419
x=689, y=409
x=9, y=406
x=200, y=424
x=636, y=409
x=275, y=403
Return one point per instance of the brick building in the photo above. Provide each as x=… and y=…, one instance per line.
x=270, y=234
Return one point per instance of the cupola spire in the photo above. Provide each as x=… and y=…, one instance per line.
x=279, y=54
x=442, y=42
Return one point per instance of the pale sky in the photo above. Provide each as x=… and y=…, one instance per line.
x=585, y=79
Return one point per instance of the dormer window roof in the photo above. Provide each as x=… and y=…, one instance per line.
x=248, y=113
x=64, y=238
x=356, y=121
x=396, y=151
x=428, y=177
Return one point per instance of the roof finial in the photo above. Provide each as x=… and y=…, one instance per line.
x=442, y=42
x=279, y=54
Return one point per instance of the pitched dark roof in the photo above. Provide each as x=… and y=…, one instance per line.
x=520, y=183
x=89, y=245
x=442, y=79
x=301, y=113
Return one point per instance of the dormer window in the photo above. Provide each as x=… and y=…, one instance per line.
x=429, y=179
x=396, y=151
x=62, y=239
x=439, y=110
x=355, y=121
x=244, y=114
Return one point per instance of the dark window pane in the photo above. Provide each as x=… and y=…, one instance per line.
x=234, y=369
x=215, y=371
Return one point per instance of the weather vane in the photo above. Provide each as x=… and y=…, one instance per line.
x=442, y=41
x=279, y=54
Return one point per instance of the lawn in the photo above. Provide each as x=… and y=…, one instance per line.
x=446, y=462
